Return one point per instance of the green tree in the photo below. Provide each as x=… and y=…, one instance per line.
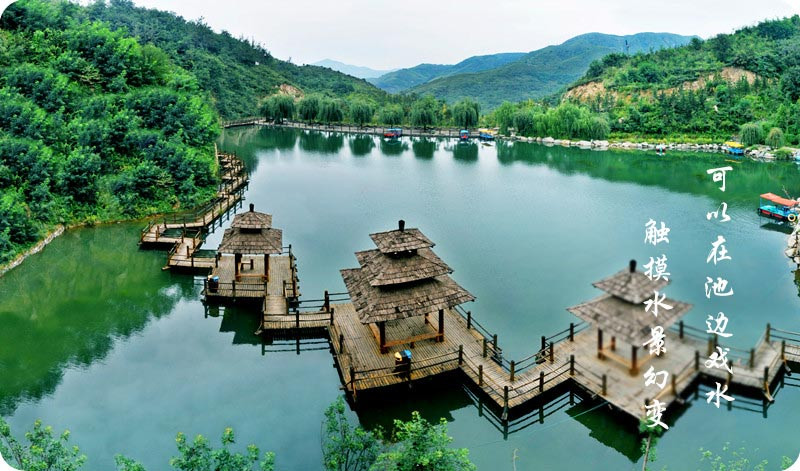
x=279, y=107
x=331, y=111
x=423, y=446
x=391, y=115
x=347, y=448
x=466, y=113
x=775, y=138
x=423, y=112
x=504, y=117
x=751, y=134
x=361, y=112
x=308, y=108
x=43, y=452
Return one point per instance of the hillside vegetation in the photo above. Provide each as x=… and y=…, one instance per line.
x=93, y=125
x=237, y=73
x=403, y=79
x=744, y=84
x=544, y=71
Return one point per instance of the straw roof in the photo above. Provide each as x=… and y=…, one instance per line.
x=382, y=269
x=401, y=240
x=628, y=321
x=386, y=303
x=251, y=220
x=631, y=285
x=268, y=241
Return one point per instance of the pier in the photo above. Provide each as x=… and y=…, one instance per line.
x=403, y=300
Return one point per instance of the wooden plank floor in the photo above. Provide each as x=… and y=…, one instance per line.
x=251, y=283
x=358, y=355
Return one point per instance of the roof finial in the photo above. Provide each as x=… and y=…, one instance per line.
x=252, y=207
x=402, y=225
x=633, y=265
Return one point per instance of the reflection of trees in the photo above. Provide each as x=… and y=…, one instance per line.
x=66, y=306
x=393, y=146
x=361, y=144
x=423, y=148
x=646, y=168
x=466, y=152
x=323, y=142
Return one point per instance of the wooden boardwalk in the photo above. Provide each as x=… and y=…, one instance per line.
x=184, y=233
x=569, y=360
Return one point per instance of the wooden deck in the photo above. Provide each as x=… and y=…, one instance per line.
x=574, y=362
x=184, y=233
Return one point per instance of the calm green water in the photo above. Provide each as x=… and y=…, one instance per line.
x=94, y=337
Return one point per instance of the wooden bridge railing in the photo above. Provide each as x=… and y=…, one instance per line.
x=403, y=371
x=237, y=288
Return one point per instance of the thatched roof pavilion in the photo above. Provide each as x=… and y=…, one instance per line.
x=621, y=311
x=251, y=233
x=401, y=279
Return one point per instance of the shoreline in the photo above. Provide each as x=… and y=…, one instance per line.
x=761, y=153
x=38, y=247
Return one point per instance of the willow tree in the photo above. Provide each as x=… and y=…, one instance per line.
x=466, y=113
x=423, y=112
x=361, y=112
x=775, y=138
x=279, y=107
x=308, y=108
x=330, y=111
x=751, y=134
x=391, y=115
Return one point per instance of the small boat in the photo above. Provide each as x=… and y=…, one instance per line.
x=393, y=133
x=463, y=135
x=734, y=148
x=782, y=209
x=485, y=134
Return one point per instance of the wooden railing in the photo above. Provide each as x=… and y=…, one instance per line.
x=404, y=370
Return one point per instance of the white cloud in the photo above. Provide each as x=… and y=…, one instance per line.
x=389, y=34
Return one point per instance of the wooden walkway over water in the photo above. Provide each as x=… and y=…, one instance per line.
x=568, y=358
x=184, y=233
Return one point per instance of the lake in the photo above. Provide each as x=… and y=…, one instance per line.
x=97, y=339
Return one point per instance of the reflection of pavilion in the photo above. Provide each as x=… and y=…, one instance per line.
x=621, y=313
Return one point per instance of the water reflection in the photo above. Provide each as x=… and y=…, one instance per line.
x=55, y=322
x=393, y=146
x=322, y=142
x=423, y=147
x=361, y=145
x=466, y=151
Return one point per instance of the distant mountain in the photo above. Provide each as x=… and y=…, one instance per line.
x=354, y=70
x=544, y=71
x=404, y=79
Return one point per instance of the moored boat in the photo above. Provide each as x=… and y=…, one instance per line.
x=485, y=134
x=463, y=135
x=782, y=209
x=393, y=133
x=734, y=148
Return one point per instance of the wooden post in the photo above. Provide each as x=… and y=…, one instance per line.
x=353, y=382
x=480, y=375
x=600, y=343
x=710, y=346
x=331, y=316
x=494, y=342
x=460, y=355
x=680, y=330
x=341, y=343
x=326, y=304
x=266, y=266
x=613, y=343
x=544, y=344
x=551, y=352
x=674, y=386
x=469, y=320
x=572, y=365
x=382, y=335
x=441, y=326
x=605, y=382
x=766, y=376
x=752, y=357
x=634, y=368
x=571, y=332
x=513, y=370
x=696, y=360
x=237, y=259
x=541, y=381
x=505, y=400
x=783, y=350
x=766, y=335
x=485, y=347
x=296, y=318
x=233, y=286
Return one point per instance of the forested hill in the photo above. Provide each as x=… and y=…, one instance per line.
x=94, y=126
x=403, y=79
x=544, y=71
x=237, y=73
x=749, y=79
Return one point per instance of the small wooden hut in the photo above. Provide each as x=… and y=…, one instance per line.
x=402, y=278
x=251, y=233
x=621, y=312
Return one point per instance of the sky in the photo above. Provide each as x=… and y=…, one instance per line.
x=391, y=34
